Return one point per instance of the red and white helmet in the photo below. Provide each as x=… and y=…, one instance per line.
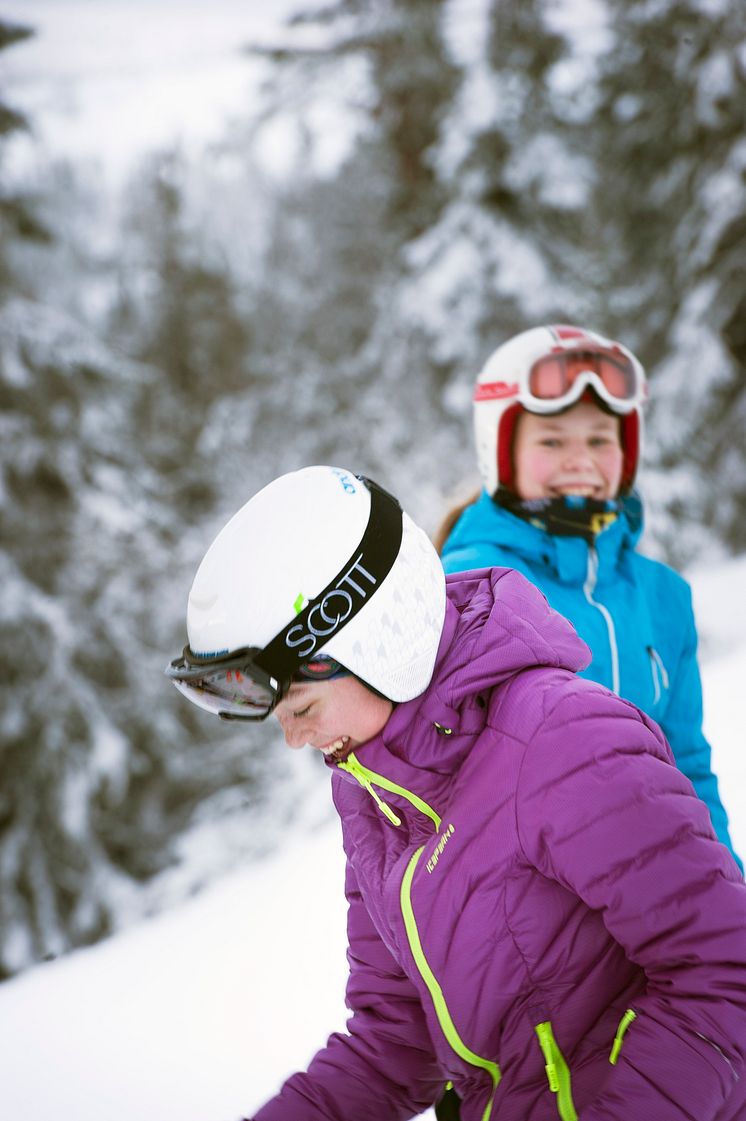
x=546, y=370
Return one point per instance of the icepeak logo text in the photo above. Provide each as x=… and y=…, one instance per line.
x=438, y=850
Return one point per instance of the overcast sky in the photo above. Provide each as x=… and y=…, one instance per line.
x=104, y=81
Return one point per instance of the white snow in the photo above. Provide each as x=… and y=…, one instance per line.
x=201, y=1012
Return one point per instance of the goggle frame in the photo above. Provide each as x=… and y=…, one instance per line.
x=578, y=382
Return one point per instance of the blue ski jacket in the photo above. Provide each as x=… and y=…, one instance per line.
x=634, y=613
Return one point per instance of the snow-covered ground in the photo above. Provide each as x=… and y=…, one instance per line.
x=201, y=1012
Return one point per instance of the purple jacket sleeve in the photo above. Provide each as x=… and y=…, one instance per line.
x=384, y=1066
x=602, y=811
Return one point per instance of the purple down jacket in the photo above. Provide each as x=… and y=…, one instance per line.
x=539, y=910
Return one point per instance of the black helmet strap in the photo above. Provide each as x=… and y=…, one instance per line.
x=345, y=595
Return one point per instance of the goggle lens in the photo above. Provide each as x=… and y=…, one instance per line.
x=552, y=377
x=230, y=686
x=321, y=669
x=234, y=686
x=223, y=704
x=231, y=690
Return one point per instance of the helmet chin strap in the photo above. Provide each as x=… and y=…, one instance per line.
x=566, y=516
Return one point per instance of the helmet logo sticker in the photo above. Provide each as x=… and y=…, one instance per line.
x=299, y=603
x=328, y=615
x=494, y=390
x=347, y=480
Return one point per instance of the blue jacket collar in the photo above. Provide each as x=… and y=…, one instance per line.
x=486, y=522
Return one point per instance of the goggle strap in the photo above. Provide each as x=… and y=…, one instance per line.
x=192, y=667
x=355, y=583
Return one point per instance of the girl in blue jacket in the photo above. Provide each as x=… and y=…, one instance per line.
x=558, y=419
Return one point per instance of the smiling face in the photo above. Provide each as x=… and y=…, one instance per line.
x=578, y=452
x=334, y=716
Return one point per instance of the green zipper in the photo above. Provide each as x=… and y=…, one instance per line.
x=558, y=1072
x=621, y=1031
x=441, y=1008
x=368, y=779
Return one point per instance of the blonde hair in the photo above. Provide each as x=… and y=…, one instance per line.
x=443, y=531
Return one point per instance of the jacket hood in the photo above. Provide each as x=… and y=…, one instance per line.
x=497, y=625
x=502, y=625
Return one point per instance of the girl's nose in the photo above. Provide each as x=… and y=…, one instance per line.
x=293, y=735
x=578, y=456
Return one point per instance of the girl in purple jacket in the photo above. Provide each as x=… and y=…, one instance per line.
x=539, y=911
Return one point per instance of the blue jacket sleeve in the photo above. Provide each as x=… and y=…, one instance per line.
x=682, y=725
x=384, y=1065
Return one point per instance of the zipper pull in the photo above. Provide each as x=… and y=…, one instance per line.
x=546, y=1042
x=354, y=768
x=624, y=1023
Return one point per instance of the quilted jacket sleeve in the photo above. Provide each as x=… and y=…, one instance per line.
x=683, y=726
x=384, y=1065
x=602, y=811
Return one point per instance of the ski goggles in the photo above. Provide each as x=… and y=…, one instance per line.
x=235, y=686
x=248, y=683
x=558, y=379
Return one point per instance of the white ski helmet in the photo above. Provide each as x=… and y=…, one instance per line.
x=547, y=370
x=335, y=556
